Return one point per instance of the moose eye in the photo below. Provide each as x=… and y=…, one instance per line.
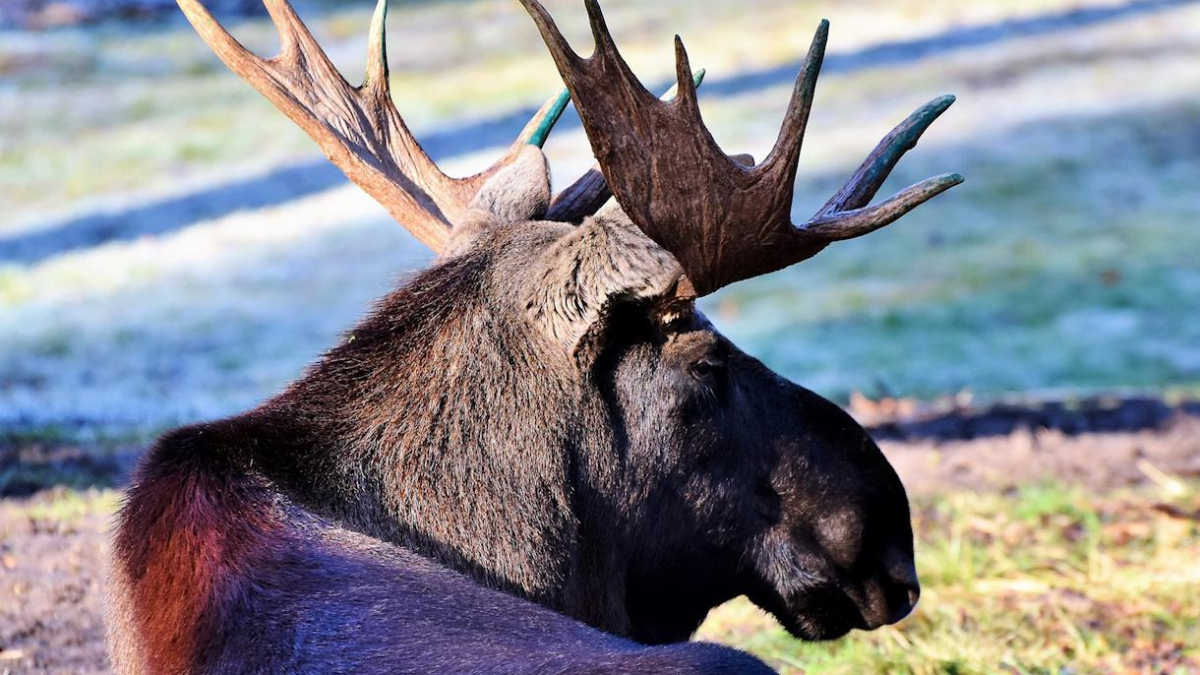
x=707, y=369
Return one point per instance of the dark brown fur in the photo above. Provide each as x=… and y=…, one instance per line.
x=524, y=427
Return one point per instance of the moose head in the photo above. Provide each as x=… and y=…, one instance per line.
x=545, y=409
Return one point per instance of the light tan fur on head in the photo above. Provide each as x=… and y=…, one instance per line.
x=517, y=193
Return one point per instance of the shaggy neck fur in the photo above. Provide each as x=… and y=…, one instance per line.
x=439, y=425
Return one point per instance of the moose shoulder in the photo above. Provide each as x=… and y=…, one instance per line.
x=536, y=456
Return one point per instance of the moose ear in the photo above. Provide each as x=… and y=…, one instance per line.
x=591, y=269
x=518, y=192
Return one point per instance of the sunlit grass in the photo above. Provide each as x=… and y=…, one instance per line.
x=114, y=109
x=1066, y=262
x=70, y=505
x=59, y=508
x=1044, y=580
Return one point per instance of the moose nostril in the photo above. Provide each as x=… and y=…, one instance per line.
x=902, y=598
x=914, y=594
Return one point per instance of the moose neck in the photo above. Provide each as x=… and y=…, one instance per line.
x=420, y=430
x=439, y=426
x=436, y=426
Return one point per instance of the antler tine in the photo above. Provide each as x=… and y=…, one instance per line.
x=359, y=128
x=848, y=224
x=600, y=34
x=560, y=51
x=537, y=130
x=376, y=76
x=722, y=221
x=785, y=155
x=685, y=83
x=844, y=215
x=292, y=30
x=866, y=181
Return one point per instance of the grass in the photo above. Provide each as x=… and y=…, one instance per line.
x=59, y=510
x=63, y=507
x=1066, y=262
x=1048, y=269
x=113, y=108
x=1047, y=579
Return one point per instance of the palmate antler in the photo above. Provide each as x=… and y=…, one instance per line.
x=722, y=218
x=359, y=128
x=723, y=221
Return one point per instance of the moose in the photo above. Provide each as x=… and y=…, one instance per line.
x=537, y=455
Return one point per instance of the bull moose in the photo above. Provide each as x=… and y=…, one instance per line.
x=535, y=456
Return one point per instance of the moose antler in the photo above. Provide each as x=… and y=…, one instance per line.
x=722, y=221
x=359, y=128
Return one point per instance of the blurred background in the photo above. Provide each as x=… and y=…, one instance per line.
x=1026, y=347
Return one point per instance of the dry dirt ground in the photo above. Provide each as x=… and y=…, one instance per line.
x=52, y=554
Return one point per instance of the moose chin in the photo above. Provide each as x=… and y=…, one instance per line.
x=536, y=456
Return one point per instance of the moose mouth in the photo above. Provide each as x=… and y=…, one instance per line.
x=828, y=610
x=819, y=613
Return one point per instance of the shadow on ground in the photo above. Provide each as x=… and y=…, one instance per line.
x=29, y=465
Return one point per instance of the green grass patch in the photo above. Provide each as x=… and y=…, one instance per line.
x=59, y=511
x=63, y=506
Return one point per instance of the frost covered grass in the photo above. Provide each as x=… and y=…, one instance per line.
x=1048, y=579
x=1063, y=267
x=202, y=323
x=89, y=111
x=1067, y=260
x=1064, y=262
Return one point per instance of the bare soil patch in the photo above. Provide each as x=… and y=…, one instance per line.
x=51, y=595
x=1099, y=444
